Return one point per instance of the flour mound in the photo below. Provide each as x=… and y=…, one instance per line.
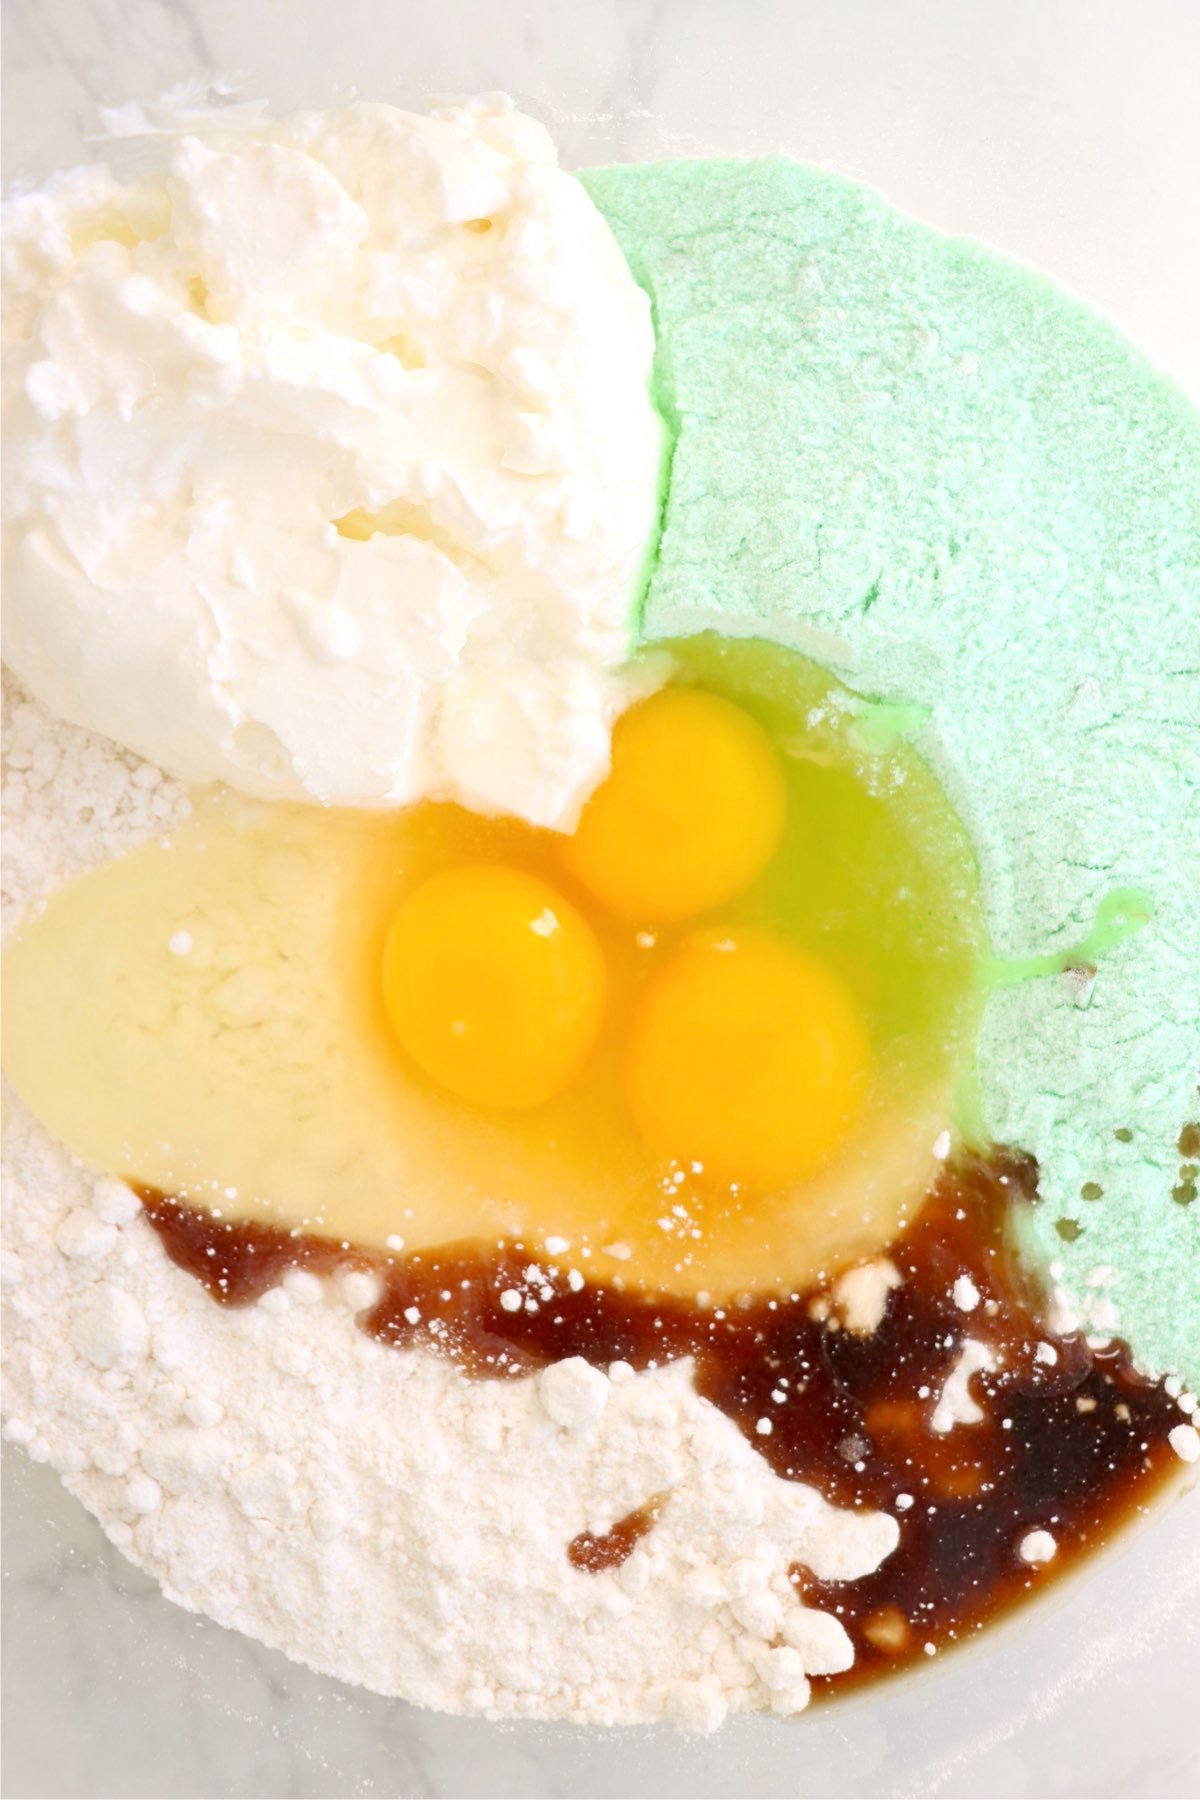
x=373, y=1512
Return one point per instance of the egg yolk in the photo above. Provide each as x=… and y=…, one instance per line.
x=691, y=812
x=747, y=1057
x=494, y=985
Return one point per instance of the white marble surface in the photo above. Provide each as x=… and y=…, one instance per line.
x=1062, y=130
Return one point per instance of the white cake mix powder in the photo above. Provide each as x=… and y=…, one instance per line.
x=373, y=1512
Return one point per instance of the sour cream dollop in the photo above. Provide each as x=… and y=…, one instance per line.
x=332, y=465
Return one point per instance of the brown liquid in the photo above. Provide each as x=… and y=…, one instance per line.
x=1074, y=1447
x=609, y=1549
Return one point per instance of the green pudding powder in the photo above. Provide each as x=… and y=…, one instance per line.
x=966, y=494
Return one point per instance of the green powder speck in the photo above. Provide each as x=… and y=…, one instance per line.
x=965, y=492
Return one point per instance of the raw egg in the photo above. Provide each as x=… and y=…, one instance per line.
x=747, y=1060
x=708, y=1041
x=494, y=984
x=691, y=813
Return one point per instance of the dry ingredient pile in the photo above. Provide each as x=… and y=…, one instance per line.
x=373, y=1512
x=501, y=1477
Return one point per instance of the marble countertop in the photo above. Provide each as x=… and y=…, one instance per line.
x=1063, y=131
